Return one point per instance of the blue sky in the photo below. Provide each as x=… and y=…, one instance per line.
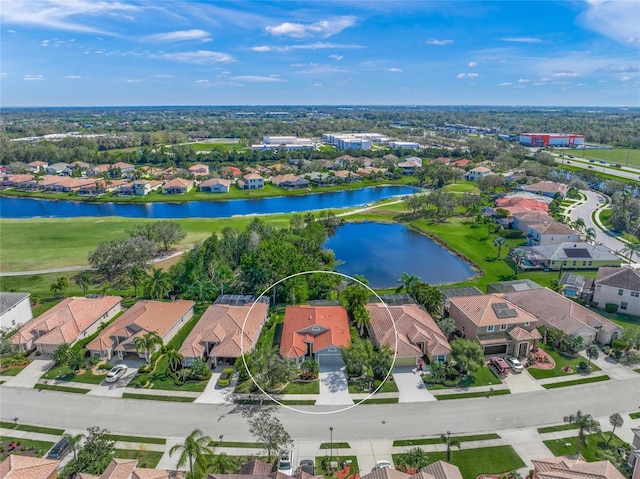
x=418, y=52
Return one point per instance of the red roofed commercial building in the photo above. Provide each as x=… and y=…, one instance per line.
x=316, y=332
x=68, y=321
x=540, y=140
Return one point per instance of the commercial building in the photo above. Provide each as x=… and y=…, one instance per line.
x=289, y=142
x=540, y=140
x=354, y=141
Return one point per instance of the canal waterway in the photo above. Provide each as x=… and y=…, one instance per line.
x=12, y=207
x=382, y=252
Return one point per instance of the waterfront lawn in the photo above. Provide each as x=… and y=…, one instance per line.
x=474, y=462
x=561, y=360
x=566, y=446
x=145, y=458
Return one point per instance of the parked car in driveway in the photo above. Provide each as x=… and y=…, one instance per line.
x=307, y=465
x=60, y=450
x=225, y=377
x=515, y=365
x=499, y=364
x=116, y=373
x=285, y=463
x=381, y=464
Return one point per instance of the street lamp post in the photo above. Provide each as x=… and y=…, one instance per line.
x=331, y=432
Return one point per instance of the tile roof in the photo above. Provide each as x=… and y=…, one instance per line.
x=178, y=183
x=525, y=204
x=547, y=187
x=119, y=469
x=558, y=311
x=66, y=320
x=576, y=467
x=147, y=473
x=256, y=467
x=413, y=325
x=480, y=310
x=386, y=473
x=25, y=467
x=437, y=470
x=323, y=326
x=253, y=176
x=216, y=181
x=622, y=277
x=553, y=227
x=142, y=317
x=223, y=324
x=442, y=470
x=562, y=252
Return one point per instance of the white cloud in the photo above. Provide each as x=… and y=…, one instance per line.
x=202, y=81
x=257, y=79
x=306, y=46
x=3, y=74
x=317, y=69
x=614, y=19
x=564, y=75
x=467, y=75
x=524, y=80
x=506, y=83
x=44, y=43
x=72, y=77
x=336, y=57
x=522, y=40
x=394, y=70
x=11, y=31
x=439, y=43
x=33, y=77
x=323, y=28
x=625, y=78
x=163, y=75
x=134, y=80
x=179, y=36
x=262, y=48
x=613, y=68
x=472, y=64
x=202, y=57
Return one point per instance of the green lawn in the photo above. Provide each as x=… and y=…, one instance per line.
x=41, y=446
x=335, y=445
x=13, y=370
x=29, y=428
x=375, y=400
x=463, y=187
x=473, y=462
x=64, y=389
x=65, y=373
x=141, y=439
x=358, y=386
x=322, y=464
x=481, y=377
x=561, y=427
x=302, y=388
x=160, y=380
x=616, y=155
x=478, y=394
x=153, y=397
x=594, y=442
x=561, y=360
x=436, y=440
x=226, y=147
x=575, y=382
x=627, y=322
x=145, y=458
x=635, y=415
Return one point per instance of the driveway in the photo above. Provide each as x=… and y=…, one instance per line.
x=522, y=382
x=411, y=386
x=116, y=389
x=214, y=394
x=334, y=388
x=29, y=376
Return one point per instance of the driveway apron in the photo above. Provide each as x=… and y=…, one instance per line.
x=411, y=386
x=334, y=389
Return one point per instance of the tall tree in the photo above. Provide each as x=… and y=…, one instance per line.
x=467, y=354
x=174, y=358
x=84, y=281
x=137, y=277
x=416, y=458
x=616, y=421
x=61, y=354
x=499, y=242
x=269, y=431
x=407, y=282
x=158, y=284
x=114, y=259
x=75, y=443
x=519, y=257
x=93, y=457
x=193, y=450
x=147, y=344
x=168, y=233
x=592, y=352
x=450, y=442
x=585, y=424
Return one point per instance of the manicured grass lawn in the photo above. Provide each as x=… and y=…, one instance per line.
x=244, y=387
x=160, y=380
x=561, y=360
x=561, y=427
x=178, y=339
x=436, y=440
x=141, y=439
x=13, y=370
x=463, y=187
x=362, y=386
x=481, y=377
x=322, y=470
x=575, y=382
x=234, y=146
x=302, y=388
x=145, y=458
x=381, y=401
x=65, y=389
x=473, y=462
x=594, y=442
x=65, y=373
x=28, y=428
x=335, y=445
x=616, y=155
x=153, y=397
x=251, y=445
x=499, y=392
x=41, y=446
x=635, y=415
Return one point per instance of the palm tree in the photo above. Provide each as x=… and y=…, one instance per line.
x=631, y=248
x=174, y=358
x=416, y=458
x=74, y=441
x=137, y=277
x=408, y=282
x=579, y=224
x=449, y=442
x=499, y=242
x=106, y=286
x=195, y=448
x=221, y=463
x=158, y=283
x=585, y=423
x=590, y=234
x=61, y=354
x=147, y=343
x=519, y=257
x=84, y=281
x=361, y=318
x=616, y=421
x=592, y=353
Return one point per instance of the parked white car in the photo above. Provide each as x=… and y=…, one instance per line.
x=381, y=464
x=515, y=365
x=116, y=373
x=285, y=463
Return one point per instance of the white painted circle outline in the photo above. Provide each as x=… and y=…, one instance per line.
x=395, y=353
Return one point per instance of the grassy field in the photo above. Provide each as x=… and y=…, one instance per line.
x=473, y=462
x=561, y=427
x=464, y=187
x=616, y=155
x=140, y=439
x=153, y=397
x=477, y=394
x=29, y=428
x=65, y=373
x=64, y=389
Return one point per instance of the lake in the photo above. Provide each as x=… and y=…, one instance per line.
x=382, y=252
x=12, y=207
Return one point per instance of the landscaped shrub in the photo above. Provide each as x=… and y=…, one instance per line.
x=611, y=308
x=93, y=360
x=512, y=234
x=583, y=366
x=619, y=344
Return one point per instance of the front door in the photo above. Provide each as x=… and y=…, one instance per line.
x=523, y=350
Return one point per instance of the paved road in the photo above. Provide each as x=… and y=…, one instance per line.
x=627, y=172
x=361, y=423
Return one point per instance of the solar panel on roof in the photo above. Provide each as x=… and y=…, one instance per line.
x=503, y=310
x=576, y=253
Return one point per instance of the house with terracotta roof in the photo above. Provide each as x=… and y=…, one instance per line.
x=199, y=170
x=436, y=470
x=315, y=332
x=230, y=172
x=125, y=168
x=521, y=221
x=99, y=187
x=224, y=333
x=441, y=160
x=517, y=205
x=410, y=165
x=257, y=469
x=574, y=467
x=128, y=469
x=144, y=187
x=478, y=172
x=100, y=170
x=38, y=166
x=215, y=185
x=289, y=182
x=619, y=286
x=500, y=326
x=252, y=181
x=550, y=232
x=68, y=321
x=177, y=186
x=462, y=163
x=26, y=467
x=556, y=311
x=347, y=176
x=164, y=318
x=547, y=188
x=67, y=184
x=417, y=333
x=20, y=181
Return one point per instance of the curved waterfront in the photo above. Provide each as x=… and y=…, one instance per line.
x=12, y=207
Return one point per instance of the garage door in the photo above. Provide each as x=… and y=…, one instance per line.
x=499, y=349
x=330, y=357
x=405, y=362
